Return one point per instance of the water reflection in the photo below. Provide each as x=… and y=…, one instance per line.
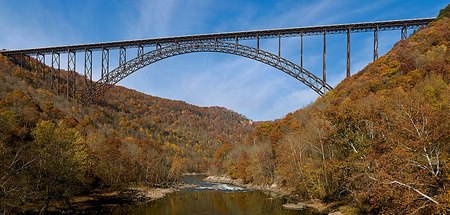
x=208, y=202
x=212, y=201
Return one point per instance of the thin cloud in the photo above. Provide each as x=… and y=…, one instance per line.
x=167, y=17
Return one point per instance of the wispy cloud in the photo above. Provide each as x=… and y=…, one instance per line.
x=159, y=18
x=30, y=24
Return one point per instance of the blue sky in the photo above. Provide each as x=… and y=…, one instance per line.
x=251, y=88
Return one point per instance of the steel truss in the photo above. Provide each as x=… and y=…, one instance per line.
x=126, y=69
x=402, y=25
x=217, y=42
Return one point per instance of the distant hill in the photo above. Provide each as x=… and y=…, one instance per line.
x=379, y=141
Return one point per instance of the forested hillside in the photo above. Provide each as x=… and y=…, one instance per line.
x=379, y=141
x=52, y=149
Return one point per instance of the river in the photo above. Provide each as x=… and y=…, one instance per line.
x=206, y=198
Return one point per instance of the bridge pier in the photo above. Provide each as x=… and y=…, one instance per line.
x=122, y=55
x=71, y=67
x=87, y=86
x=40, y=66
x=301, y=50
x=324, y=58
x=105, y=63
x=279, y=46
x=22, y=57
x=30, y=62
x=140, y=51
x=404, y=33
x=257, y=43
x=375, y=44
x=348, y=53
x=56, y=64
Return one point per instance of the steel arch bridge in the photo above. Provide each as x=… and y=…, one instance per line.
x=172, y=46
x=286, y=66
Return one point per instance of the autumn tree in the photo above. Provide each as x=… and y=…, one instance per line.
x=60, y=162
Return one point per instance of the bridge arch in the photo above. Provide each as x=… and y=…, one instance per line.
x=161, y=53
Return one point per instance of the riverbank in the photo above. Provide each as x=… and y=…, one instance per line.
x=276, y=191
x=131, y=195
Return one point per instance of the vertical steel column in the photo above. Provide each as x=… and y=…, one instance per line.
x=87, y=86
x=257, y=43
x=404, y=32
x=27, y=61
x=140, y=51
x=324, y=66
x=122, y=56
x=71, y=82
x=236, y=41
x=40, y=67
x=348, y=53
x=30, y=62
x=105, y=64
x=375, y=44
x=56, y=64
x=301, y=50
x=21, y=59
x=279, y=46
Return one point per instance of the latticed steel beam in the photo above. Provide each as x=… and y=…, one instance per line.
x=257, y=42
x=56, y=64
x=375, y=44
x=301, y=50
x=348, y=53
x=105, y=63
x=22, y=59
x=292, y=69
x=40, y=66
x=122, y=56
x=404, y=33
x=279, y=46
x=71, y=80
x=140, y=50
x=30, y=62
x=324, y=65
x=87, y=86
x=243, y=35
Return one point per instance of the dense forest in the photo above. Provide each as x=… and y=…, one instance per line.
x=379, y=141
x=52, y=149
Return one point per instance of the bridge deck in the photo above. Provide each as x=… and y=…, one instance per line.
x=231, y=36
